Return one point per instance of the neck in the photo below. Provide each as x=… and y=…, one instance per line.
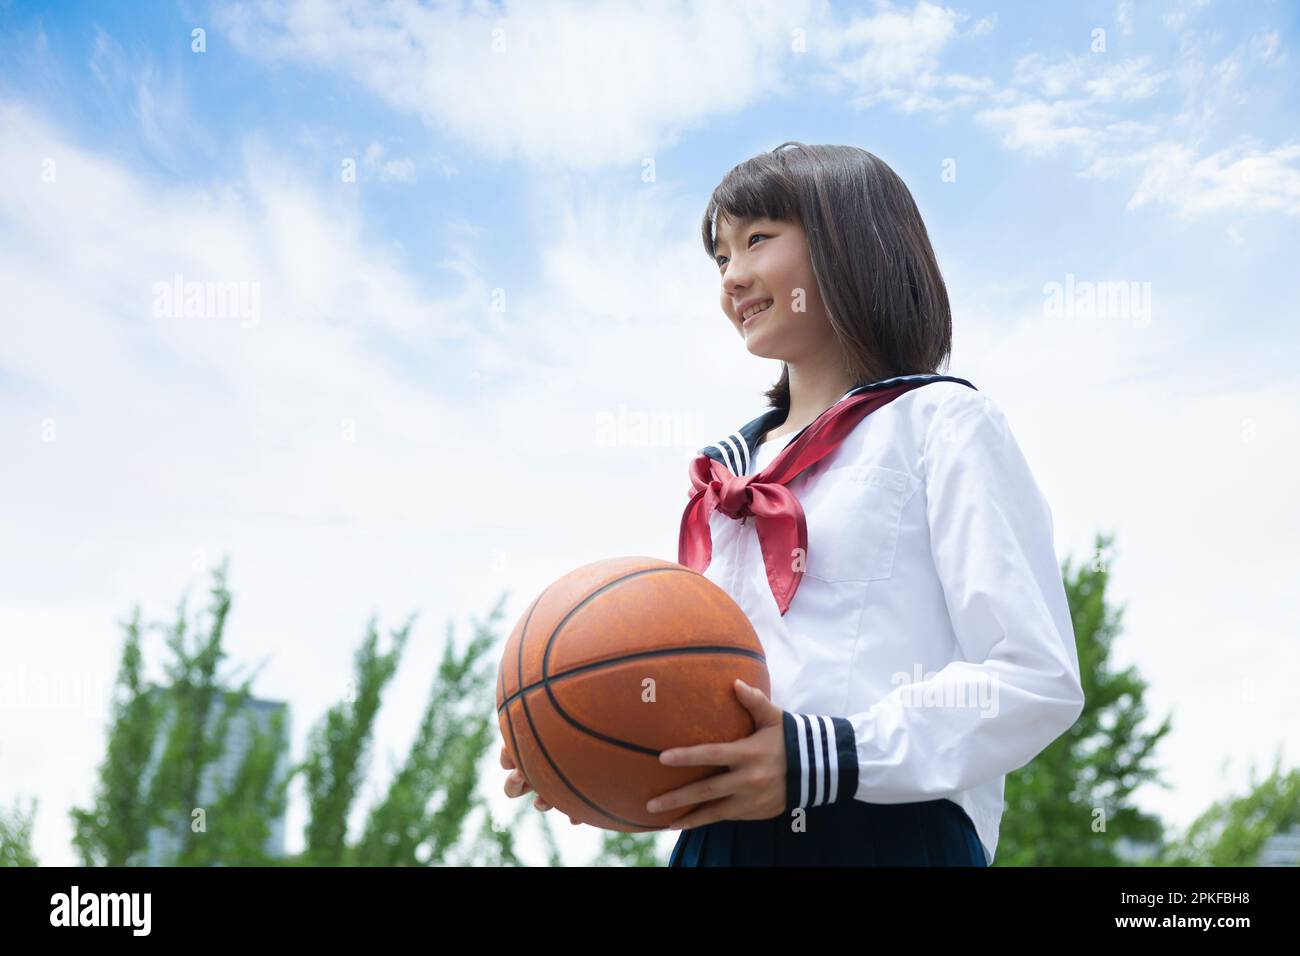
x=812, y=391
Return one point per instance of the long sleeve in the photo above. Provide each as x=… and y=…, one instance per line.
x=1015, y=687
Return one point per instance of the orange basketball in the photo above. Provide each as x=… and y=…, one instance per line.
x=612, y=664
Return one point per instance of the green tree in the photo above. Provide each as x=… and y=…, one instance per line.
x=423, y=815
x=16, y=836
x=1233, y=831
x=1058, y=803
x=114, y=830
x=336, y=753
x=164, y=742
x=255, y=798
x=628, y=849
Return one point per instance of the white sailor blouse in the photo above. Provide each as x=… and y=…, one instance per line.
x=928, y=650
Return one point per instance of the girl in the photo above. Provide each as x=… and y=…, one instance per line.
x=884, y=534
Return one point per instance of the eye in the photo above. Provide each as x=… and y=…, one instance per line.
x=752, y=236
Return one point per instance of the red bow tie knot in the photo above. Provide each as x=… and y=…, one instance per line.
x=734, y=495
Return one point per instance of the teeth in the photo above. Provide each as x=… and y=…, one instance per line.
x=757, y=308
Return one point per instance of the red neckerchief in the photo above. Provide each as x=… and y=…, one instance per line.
x=778, y=516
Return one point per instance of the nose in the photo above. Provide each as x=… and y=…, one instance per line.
x=734, y=278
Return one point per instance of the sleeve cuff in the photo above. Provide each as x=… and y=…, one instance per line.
x=821, y=760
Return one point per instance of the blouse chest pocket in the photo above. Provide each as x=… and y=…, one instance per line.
x=853, y=516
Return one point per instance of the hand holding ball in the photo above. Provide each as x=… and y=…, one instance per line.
x=612, y=664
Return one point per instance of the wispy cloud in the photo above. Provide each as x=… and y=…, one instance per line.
x=1267, y=47
x=388, y=170
x=1088, y=105
x=895, y=56
x=522, y=80
x=1234, y=179
x=157, y=103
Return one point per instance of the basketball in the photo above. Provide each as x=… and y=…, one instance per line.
x=612, y=664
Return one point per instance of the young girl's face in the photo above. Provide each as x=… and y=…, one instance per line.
x=763, y=260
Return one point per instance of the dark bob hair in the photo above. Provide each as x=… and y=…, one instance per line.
x=870, y=252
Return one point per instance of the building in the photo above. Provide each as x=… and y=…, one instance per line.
x=164, y=844
x=1134, y=853
x=1282, y=849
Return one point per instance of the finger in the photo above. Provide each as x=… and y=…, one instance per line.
x=701, y=755
x=710, y=788
x=506, y=760
x=516, y=784
x=541, y=804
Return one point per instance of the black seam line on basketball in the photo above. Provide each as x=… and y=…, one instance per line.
x=514, y=739
x=546, y=657
x=666, y=652
x=546, y=678
x=568, y=783
x=519, y=677
x=523, y=635
x=550, y=641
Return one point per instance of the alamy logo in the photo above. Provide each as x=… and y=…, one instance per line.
x=179, y=299
x=102, y=909
x=976, y=691
x=1098, y=300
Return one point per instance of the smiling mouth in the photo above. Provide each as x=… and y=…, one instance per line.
x=755, y=315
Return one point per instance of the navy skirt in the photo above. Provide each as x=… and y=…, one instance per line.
x=850, y=833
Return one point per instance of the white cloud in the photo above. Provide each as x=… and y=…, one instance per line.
x=158, y=105
x=1050, y=77
x=894, y=57
x=525, y=80
x=1124, y=17
x=890, y=48
x=1072, y=102
x=1127, y=80
x=518, y=82
x=1265, y=46
x=1039, y=127
x=1183, y=11
x=388, y=170
x=1091, y=76
x=1234, y=179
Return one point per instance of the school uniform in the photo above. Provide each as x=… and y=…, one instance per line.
x=896, y=560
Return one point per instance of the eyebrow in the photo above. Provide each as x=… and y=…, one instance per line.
x=740, y=227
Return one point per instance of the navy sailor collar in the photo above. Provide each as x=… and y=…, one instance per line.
x=737, y=449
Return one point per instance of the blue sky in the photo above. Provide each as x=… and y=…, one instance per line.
x=131, y=86
x=322, y=447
